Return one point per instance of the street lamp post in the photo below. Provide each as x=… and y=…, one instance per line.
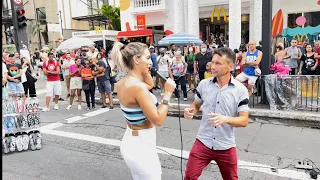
x=61, y=23
x=38, y=28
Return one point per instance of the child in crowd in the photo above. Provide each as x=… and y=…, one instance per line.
x=208, y=73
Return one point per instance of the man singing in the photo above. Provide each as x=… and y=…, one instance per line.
x=224, y=103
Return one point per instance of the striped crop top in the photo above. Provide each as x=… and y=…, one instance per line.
x=135, y=115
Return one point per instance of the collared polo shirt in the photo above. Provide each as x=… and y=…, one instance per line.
x=228, y=101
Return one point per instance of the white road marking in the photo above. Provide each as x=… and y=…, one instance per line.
x=242, y=164
x=74, y=119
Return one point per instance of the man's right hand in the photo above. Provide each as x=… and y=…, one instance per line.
x=189, y=113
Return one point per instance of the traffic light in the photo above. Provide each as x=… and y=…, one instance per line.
x=21, y=19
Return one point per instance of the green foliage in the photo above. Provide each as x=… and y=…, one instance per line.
x=113, y=14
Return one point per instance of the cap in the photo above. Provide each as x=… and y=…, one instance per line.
x=151, y=47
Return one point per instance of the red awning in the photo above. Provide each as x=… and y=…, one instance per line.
x=168, y=32
x=137, y=33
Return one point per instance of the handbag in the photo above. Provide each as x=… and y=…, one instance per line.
x=33, y=76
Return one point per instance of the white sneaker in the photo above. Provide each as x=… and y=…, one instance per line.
x=69, y=107
x=185, y=99
x=45, y=109
x=79, y=107
x=56, y=107
x=176, y=99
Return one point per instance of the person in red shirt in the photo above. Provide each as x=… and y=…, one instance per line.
x=317, y=56
x=73, y=55
x=51, y=69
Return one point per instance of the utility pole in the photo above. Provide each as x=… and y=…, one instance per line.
x=266, y=43
x=19, y=23
x=266, y=36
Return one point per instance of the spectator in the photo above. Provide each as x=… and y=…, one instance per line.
x=308, y=63
x=14, y=77
x=66, y=72
x=75, y=82
x=29, y=85
x=201, y=61
x=88, y=85
x=51, y=69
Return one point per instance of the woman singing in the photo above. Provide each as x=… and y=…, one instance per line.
x=140, y=109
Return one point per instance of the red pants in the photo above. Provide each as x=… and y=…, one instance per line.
x=200, y=156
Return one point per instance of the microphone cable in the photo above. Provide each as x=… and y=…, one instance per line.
x=180, y=129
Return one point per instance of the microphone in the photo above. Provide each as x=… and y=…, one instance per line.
x=155, y=72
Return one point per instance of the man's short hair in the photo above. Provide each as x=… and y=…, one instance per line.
x=227, y=52
x=172, y=44
x=50, y=53
x=11, y=55
x=294, y=39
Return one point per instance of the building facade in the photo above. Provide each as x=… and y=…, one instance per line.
x=205, y=17
x=55, y=19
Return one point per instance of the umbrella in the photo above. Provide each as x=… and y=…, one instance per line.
x=74, y=43
x=180, y=39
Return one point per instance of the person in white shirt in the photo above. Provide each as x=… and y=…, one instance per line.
x=163, y=66
x=92, y=52
x=65, y=67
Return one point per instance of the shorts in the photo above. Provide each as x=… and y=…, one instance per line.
x=164, y=73
x=243, y=77
x=76, y=83
x=104, y=86
x=53, y=87
x=190, y=72
x=15, y=88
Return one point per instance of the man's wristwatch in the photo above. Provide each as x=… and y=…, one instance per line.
x=166, y=102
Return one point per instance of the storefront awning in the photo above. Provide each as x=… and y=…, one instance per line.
x=137, y=33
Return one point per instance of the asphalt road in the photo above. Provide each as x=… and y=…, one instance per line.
x=84, y=145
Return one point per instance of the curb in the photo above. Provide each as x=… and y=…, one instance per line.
x=313, y=117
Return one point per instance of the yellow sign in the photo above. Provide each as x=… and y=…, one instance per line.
x=218, y=14
x=98, y=30
x=300, y=38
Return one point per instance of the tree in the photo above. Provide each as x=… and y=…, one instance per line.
x=113, y=14
x=31, y=31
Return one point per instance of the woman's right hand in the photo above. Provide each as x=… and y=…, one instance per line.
x=169, y=86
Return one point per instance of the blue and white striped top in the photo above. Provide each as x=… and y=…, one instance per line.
x=135, y=115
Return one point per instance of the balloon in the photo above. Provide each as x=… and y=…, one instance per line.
x=301, y=20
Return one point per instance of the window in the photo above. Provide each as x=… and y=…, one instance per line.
x=313, y=19
x=93, y=5
x=6, y=8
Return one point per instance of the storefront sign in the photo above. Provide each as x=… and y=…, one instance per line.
x=141, y=22
x=218, y=14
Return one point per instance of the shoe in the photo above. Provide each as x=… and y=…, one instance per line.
x=185, y=99
x=176, y=99
x=94, y=108
x=111, y=107
x=69, y=107
x=45, y=109
x=68, y=96
x=88, y=108
x=56, y=107
x=104, y=106
x=79, y=107
x=60, y=99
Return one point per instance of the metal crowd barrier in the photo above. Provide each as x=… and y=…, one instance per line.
x=287, y=92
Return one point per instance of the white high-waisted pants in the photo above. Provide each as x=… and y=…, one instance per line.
x=140, y=154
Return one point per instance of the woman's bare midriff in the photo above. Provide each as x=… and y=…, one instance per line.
x=145, y=125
